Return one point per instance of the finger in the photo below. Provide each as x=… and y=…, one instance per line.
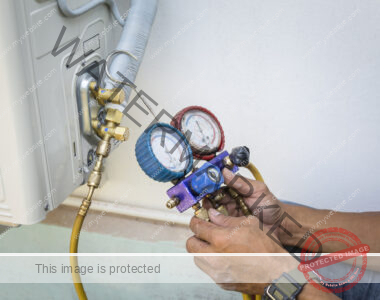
x=246, y=187
x=228, y=221
x=228, y=286
x=227, y=202
x=222, y=220
x=202, y=229
x=201, y=262
x=195, y=245
x=233, y=209
x=237, y=287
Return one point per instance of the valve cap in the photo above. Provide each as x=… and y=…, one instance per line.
x=240, y=156
x=121, y=133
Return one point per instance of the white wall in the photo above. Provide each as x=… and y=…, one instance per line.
x=296, y=81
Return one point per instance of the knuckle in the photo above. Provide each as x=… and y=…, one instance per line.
x=193, y=222
x=219, y=241
x=190, y=244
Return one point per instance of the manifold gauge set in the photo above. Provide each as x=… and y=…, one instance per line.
x=172, y=153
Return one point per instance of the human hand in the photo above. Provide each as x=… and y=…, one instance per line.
x=262, y=203
x=237, y=235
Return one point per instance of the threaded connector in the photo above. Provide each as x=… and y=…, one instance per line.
x=173, y=202
x=84, y=207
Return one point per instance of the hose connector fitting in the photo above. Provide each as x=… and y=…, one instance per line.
x=104, y=96
x=84, y=207
x=173, y=202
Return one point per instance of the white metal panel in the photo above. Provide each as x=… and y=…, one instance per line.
x=41, y=160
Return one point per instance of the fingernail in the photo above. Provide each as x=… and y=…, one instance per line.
x=213, y=212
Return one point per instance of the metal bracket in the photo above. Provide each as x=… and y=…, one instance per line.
x=88, y=109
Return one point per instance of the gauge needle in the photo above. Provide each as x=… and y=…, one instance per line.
x=172, y=162
x=203, y=135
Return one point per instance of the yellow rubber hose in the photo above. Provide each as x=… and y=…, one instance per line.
x=78, y=226
x=256, y=173
x=74, y=240
x=74, y=259
x=246, y=297
x=93, y=182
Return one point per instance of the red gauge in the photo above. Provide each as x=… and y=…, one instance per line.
x=207, y=136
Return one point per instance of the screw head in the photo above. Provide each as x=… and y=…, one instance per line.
x=213, y=174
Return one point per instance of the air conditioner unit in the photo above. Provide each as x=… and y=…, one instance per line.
x=47, y=147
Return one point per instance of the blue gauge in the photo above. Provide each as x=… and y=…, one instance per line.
x=164, y=153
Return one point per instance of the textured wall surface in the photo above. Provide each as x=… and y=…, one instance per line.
x=297, y=82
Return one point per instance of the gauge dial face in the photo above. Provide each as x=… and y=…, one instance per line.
x=205, y=132
x=170, y=149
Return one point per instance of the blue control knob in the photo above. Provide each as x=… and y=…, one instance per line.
x=164, y=153
x=206, y=180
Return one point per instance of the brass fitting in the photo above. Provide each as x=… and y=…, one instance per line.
x=106, y=132
x=114, y=115
x=84, y=207
x=104, y=96
x=228, y=162
x=233, y=193
x=200, y=212
x=103, y=148
x=239, y=201
x=223, y=210
x=219, y=195
x=113, y=119
x=94, y=178
x=214, y=199
x=173, y=202
x=243, y=207
x=119, y=133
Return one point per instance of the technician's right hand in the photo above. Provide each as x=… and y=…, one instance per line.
x=262, y=203
x=246, y=274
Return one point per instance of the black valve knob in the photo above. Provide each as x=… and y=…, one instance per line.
x=240, y=156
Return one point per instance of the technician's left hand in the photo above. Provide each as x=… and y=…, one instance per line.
x=237, y=235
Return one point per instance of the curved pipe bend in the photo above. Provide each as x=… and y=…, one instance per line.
x=68, y=12
x=134, y=37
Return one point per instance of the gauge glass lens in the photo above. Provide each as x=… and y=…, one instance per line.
x=166, y=147
x=205, y=132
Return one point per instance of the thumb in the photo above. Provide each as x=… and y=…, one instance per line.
x=246, y=187
x=225, y=221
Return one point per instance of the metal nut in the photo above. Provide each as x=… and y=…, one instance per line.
x=94, y=179
x=202, y=214
x=114, y=115
x=103, y=148
x=107, y=95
